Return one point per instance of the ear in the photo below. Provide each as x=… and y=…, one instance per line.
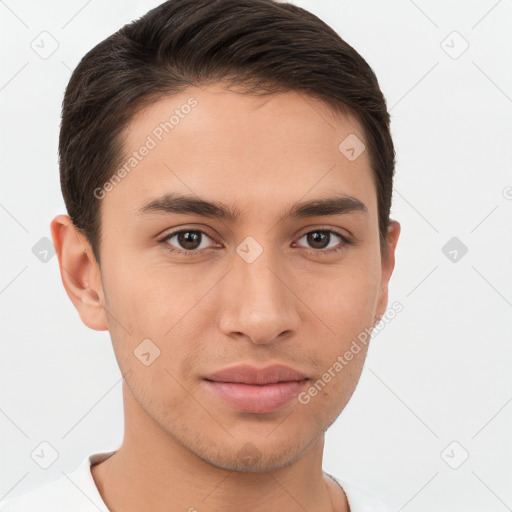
x=80, y=272
x=388, y=264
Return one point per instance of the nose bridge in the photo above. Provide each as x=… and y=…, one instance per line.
x=260, y=283
x=260, y=305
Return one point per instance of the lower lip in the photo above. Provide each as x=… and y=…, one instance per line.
x=254, y=398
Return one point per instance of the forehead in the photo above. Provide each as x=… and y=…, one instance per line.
x=242, y=149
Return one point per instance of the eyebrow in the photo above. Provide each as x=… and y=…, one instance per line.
x=173, y=203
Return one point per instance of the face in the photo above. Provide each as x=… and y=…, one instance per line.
x=188, y=292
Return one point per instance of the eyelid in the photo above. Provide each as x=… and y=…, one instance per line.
x=175, y=231
x=164, y=238
x=344, y=233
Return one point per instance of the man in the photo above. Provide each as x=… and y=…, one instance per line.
x=227, y=168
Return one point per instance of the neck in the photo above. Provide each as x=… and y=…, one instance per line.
x=153, y=471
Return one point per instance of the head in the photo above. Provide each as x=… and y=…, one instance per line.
x=191, y=141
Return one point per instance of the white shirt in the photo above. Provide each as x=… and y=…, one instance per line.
x=77, y=492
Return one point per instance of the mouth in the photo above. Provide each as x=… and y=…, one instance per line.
x=249, y=389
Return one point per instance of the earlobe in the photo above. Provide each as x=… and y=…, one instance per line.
x=80, y=272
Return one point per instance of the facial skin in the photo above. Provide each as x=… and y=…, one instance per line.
x=292, y=305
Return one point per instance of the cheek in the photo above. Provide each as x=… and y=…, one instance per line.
x=147, y=301
x=348, y=297
x=347, y=307
x=147, y=305
x=328, y=394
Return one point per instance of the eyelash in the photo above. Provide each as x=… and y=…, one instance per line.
x=193, y=253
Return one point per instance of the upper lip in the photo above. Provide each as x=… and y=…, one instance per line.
x=247, y=374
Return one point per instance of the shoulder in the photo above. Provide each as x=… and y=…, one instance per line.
x=74, y=491
x=48, y=497
x=361, y=499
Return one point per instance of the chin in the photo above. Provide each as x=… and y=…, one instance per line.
x=247, y=457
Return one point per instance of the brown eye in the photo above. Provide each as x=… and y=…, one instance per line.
x=187, y=240
x=321, y=240
x=318, y=239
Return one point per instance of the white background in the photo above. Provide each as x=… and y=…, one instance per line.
x=437, y=373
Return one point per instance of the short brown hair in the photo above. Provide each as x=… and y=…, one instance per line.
x=261, y=45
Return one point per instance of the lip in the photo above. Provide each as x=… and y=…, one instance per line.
x=247, y=374
x=256, y=390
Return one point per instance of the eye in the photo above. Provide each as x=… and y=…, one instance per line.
x=322, y=239
x=188, y=241
x=193, y=242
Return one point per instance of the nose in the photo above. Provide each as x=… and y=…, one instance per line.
x=258, y=301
